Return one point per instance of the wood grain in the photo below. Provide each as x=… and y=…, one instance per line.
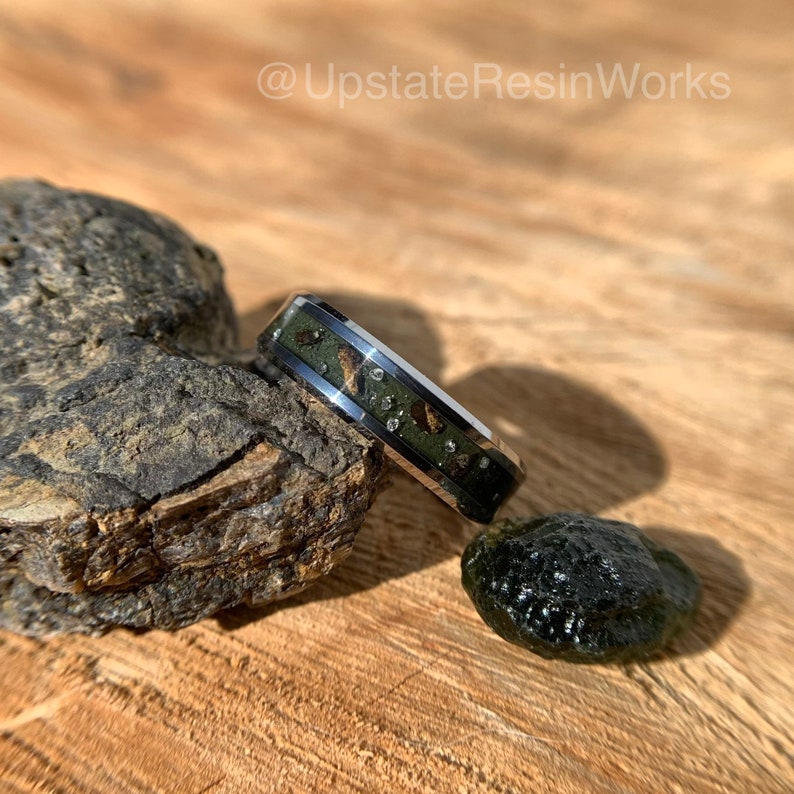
x=608, y=282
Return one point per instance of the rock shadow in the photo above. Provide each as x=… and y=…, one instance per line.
x=726, y=587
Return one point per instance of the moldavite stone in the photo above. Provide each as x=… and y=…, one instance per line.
x=147, y=478
x=576, y=587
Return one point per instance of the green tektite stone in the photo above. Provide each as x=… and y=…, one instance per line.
x=580, y=588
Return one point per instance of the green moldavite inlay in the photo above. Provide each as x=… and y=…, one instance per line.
x=475, y=474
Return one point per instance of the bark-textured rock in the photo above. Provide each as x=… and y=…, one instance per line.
x=143, y=481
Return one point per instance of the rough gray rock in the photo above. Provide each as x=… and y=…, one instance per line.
x=145, y=480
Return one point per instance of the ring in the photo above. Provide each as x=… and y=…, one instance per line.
x=421, y=428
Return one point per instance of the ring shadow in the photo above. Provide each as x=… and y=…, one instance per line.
x=584, y=452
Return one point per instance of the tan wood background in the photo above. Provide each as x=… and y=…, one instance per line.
x=608, y=282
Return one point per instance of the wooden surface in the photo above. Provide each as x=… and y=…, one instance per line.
x=608, y=282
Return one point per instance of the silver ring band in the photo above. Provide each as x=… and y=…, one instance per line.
x=421, y=427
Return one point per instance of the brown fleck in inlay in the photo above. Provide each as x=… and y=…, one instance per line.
x=426, y=417
x=351, y=360
x=459, y=464
x=308, y=337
